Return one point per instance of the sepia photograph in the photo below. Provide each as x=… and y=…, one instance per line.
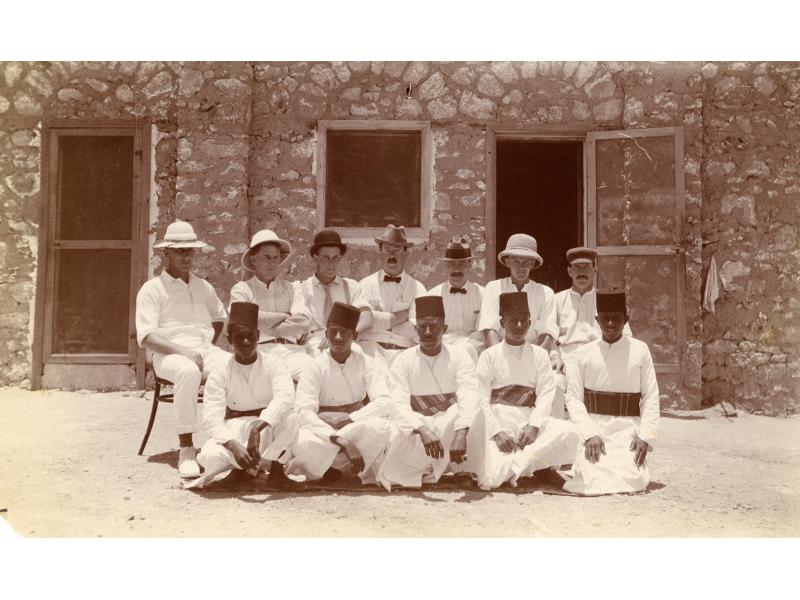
x=400, y=298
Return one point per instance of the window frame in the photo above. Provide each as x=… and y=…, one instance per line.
x=367, y=235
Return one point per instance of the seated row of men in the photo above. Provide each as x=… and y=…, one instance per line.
x=491, y=421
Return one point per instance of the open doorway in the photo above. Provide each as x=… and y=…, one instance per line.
x=540, y=192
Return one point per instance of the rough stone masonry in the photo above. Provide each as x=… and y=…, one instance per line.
x=234, y=150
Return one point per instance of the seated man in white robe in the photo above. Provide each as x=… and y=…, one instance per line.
x=462, y=299
x=612, y=397
x=326, y=286
x=440, y=385
x=283, y=316
x=576, y=309
x=390, y=292
x=346, y=413
x=248, y=403
x=521, y=257
x=517, y=387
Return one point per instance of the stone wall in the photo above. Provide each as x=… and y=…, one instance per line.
x=751, y=212
x=235, y=150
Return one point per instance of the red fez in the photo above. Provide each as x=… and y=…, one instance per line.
x=344, y=315
x=581, y=254
x=429, y=306
x=611, y=300
x=244, y=313
x=514, y=303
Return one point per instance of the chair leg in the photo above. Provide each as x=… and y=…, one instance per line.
x=153, y=410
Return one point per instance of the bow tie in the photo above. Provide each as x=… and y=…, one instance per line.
x=391, y=279
x=455, y=290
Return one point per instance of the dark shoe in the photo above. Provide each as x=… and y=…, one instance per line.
x=464, y=481
x=549, y=478
x=277, y=479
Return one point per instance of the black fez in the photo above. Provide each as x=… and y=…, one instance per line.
x=244, y=313
x=344, y=315
x=581, y=254
x=514, y=303
x=611, y=300
x=429, y=306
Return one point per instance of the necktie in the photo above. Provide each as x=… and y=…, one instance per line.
x=328, y=304
x=390, y=279
x=455, y=290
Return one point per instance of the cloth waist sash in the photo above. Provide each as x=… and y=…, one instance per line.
x=235, y=414
x=344, y=408
x=431, y=404
x=515, y=395
x=614, y=404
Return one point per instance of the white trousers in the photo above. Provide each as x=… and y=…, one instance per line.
x=556, y=444
x=472, y=346
x=615, y=472
x=186, y=377
x=295, y=357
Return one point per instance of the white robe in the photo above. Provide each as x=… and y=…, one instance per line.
x=385, y=298
x=450, y=372
x=625, y=366
x=557, y=442
x=462, y=312
x=328, y=386
x=264, y=384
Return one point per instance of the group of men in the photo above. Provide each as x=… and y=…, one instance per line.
x=397, y=385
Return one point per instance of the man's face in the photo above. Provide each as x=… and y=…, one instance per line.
x=457, y=272
x=582, y=275
x=244, y=341
x=266, y=261
x=393, y=258
x=520, y=267
x=611, y=324
x=430, y=331
x=327, y=260
x=180, y=260
x=340, y=338
x=516, y=326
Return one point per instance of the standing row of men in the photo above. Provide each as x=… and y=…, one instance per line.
x=398, y=384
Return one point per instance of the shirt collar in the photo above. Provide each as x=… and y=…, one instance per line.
x=585, y=295
x=275, y=283
x=337, y=280
x=167, y=278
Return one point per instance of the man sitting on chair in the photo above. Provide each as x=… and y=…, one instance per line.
x=179, y=318
x=248, y=407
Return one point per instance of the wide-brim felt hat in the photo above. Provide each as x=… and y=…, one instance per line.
x=262, y=237
x=327, y=237
x=457, y=249
x=180, y=234
x=395, y=236
x=524, y=246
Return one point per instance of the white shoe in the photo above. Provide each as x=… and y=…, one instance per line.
x=187, y=463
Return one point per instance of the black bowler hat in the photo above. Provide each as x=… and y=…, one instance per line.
x=244, y=313
x=581, y=254
x=611, y=300
x=514, y=303
x=327, y=237
x=429, y=306
x=344, y=315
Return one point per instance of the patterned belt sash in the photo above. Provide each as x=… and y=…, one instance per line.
x=344, y=408
x=235, y=414
x=614, y=404
x=431, y=404
x=390, y=346
x=279, y=340
x=515, y=395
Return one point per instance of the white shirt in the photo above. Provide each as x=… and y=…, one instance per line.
x=452, y=370
x=624, y=366
x=576, y=317
x=342, y=289
x=279, y=296
x=540, y=303
x=386, y=298
x=461, y=311
x=265, y=383
x=527, y=365
x=181, y=312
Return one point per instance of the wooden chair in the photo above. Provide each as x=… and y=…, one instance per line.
x=160, y=396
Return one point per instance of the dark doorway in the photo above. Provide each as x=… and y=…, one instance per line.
x=540, y=192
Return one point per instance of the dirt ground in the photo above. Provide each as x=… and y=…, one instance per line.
x=69, y=468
